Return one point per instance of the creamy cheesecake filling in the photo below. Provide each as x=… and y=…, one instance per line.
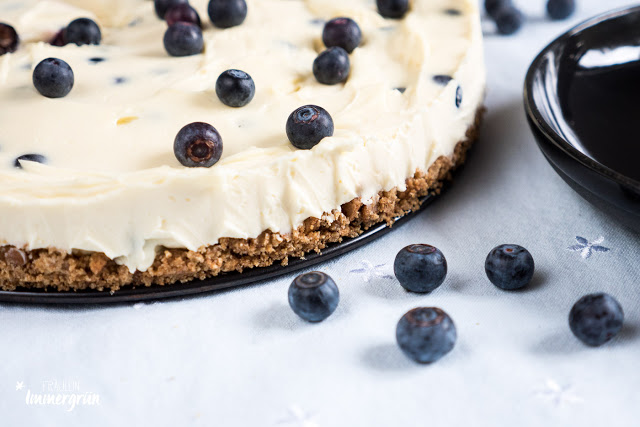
x=111, y=182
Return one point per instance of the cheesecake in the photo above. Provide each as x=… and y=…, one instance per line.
x=94, y=196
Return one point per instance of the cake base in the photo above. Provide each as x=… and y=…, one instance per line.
x=58, y=270
x=134, y=294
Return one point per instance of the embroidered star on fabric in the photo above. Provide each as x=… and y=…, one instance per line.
x=557, y=394
x=587, y=248
x=370, y=271
x=298, y=417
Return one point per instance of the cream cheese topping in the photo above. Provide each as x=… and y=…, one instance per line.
x=111, y=182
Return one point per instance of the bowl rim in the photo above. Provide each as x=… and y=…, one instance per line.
x=533, y=112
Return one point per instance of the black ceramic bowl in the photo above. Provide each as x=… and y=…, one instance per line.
x=582, y=100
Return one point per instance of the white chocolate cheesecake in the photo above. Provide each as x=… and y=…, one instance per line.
x=110, y=204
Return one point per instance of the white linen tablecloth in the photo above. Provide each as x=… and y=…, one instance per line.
x=243, y=358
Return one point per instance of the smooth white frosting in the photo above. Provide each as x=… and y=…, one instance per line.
x=117, y=188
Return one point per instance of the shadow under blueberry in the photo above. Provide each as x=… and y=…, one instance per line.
x=539, y=19
x=567, y=343
x=278, y=316
x=629, y=333
x=387, y=357
x=559, y=343
x=475, y=285
x=538, y=280
x=387, y=289
x=281, y=317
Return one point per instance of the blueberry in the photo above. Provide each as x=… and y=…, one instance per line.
x=452, y=12
x=426, y=334
x=492, y=6
x=9, y=39
x=183, y=39
x=235, y=88
x=58, y=39
x=182, y=13
x=82, y=31
x=162, y=6
x=420, y=268
x=96, y=60
x=509, y=267
x=227, y=13
x=198, y=145
x=39, y=158
x=314, y=296
x=442, y=79
x=394, y=9
x=332, y=66
x=458, y=96
x=135, y=22
x=560, y=9
x=308, y=125
x=508, y=20
x=596, y=318
x=342, y=32
x=400, y=89
x=53, y=78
